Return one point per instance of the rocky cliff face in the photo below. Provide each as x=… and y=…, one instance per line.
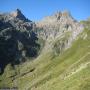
x=17, y=20
x=18, y=14
x=17, y=39
x=59, y=26
x=59, y=23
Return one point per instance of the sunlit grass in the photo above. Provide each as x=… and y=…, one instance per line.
x=54, y=72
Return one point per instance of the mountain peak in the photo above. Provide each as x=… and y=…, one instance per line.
x=57, y=18
x=66, y=13
x=18, y=14
x=18, y=10
x=58, y=14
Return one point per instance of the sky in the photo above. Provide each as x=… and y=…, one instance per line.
x=37, y=9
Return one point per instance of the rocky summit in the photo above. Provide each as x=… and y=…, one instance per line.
x=51, y=54
x=17, y=20
x=59, y=23
x=18, y=14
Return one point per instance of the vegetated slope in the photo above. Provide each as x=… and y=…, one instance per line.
x=57, y=67
x=67, y=71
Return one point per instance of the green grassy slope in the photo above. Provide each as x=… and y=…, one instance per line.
x=68, y=71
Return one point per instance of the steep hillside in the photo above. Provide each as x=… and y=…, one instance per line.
x=64, y=57
x=17, y=39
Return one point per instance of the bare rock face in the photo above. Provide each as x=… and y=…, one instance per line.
x=17, y=39
x=17, y=20
x=18, y=14
x=61, y=25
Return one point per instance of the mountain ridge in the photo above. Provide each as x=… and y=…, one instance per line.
x=59, y=26
x=52, y=54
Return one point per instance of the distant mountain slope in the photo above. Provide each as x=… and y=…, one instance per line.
x=63, y=62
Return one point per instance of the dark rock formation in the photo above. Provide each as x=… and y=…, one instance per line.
x=17, y=39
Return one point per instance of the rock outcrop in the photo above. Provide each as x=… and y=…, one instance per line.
x=17, y=20
x=58, y=23
x=17, y=39
x=61, y=29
